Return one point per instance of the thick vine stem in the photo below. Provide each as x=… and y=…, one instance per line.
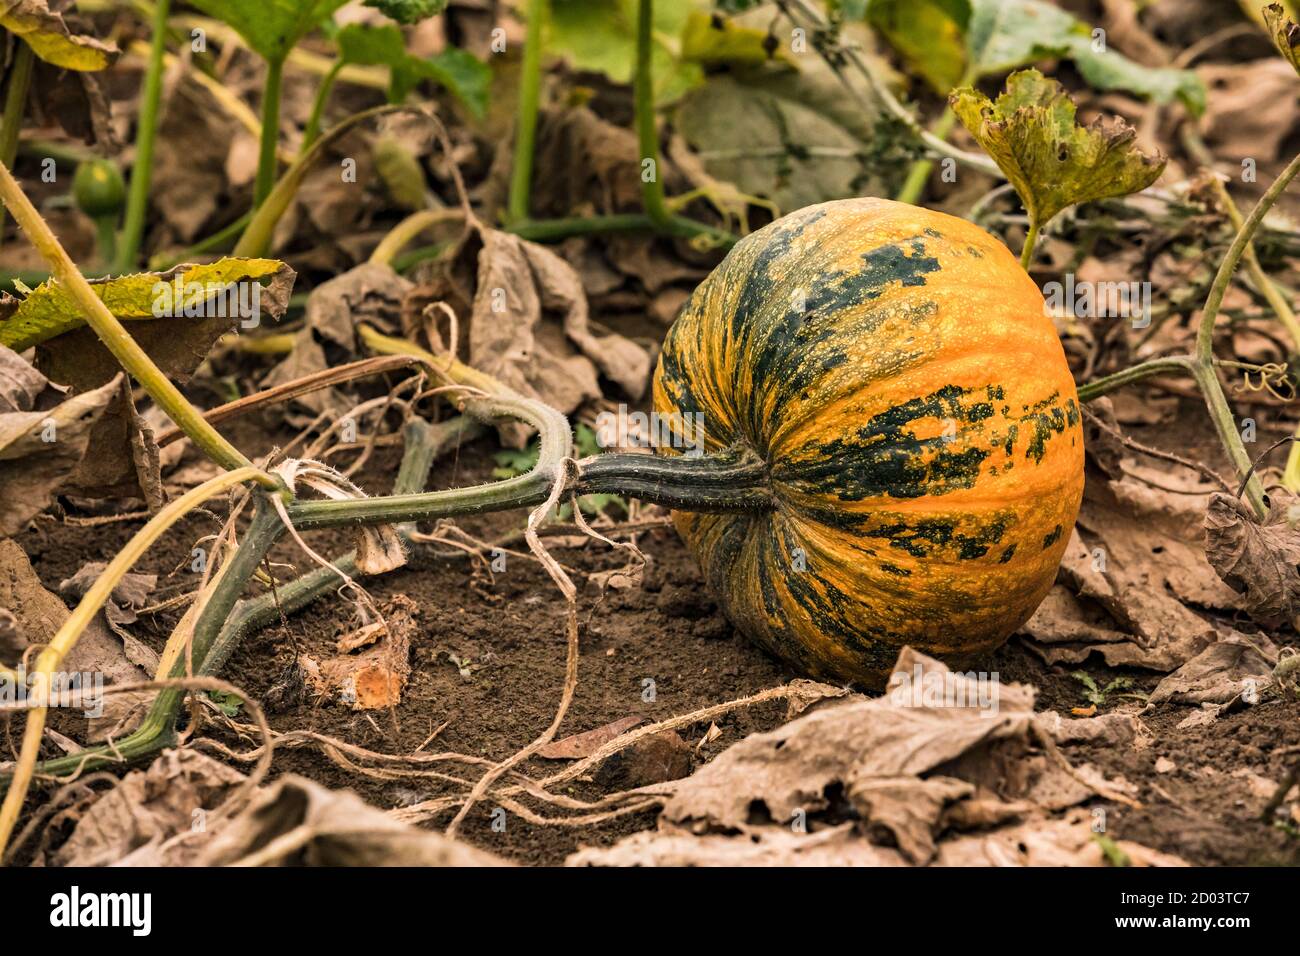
x=531, y=488
x=72, y=628
x=1267, y=288
x=401, y=235
x=1031, y=240
x=652, y=181
x=647, y=134
x=125, y=349
x=1207, y=377
x=312, y=129
x=20, y=80
x=1204, y=369
x=1202, y=364
x=1223, y=278
x=734, y=480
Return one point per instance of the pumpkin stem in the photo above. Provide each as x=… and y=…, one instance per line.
x=732, y=480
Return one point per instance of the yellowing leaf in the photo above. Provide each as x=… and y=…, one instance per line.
x=1031, y=134
x=1284, y=33
x=1256, y=12
x=185, y=291
x=50, y=38
x=928, y=34
x=716, y=42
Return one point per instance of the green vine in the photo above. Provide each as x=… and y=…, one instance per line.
x=137, y=200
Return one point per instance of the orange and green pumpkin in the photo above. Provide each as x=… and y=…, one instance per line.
x=895, y=371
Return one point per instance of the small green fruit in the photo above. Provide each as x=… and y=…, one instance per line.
x=97, y=188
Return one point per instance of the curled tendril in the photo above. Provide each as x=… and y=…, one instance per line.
x=1273, y=379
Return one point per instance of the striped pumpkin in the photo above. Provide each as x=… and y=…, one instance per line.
x=896, y=371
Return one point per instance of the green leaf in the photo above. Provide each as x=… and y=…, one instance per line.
x=50, y=311
x=586, y=442
x=793, y=137
x=515, y=461
x=849, y=9
x=270, y=27
x=1284, y=33
x=595, y=504
x=50, y=38
x=930, y=36
x=1007, y=34
x=950, y=41
x=461, y=73
x=1108, y=70
x=1115, y=855
x=1052, y=163
x=228, y=703
x=367, y=45
x=600, y=36
x=408, y=11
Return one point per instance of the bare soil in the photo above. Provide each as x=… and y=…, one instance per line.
x=508, y=629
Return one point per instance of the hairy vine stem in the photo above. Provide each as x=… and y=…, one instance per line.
x=266, y=157
x=728, y=481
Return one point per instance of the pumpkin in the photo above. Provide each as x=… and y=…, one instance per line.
x=895, y=370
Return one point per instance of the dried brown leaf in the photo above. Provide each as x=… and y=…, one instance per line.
x=514, y=292
x=20, y=382
x=1261, y=561
x=40, y=451
x=314, y=826
x=129, y=595
x=1129, y=580
x=147, y=807
x=1220, y=673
